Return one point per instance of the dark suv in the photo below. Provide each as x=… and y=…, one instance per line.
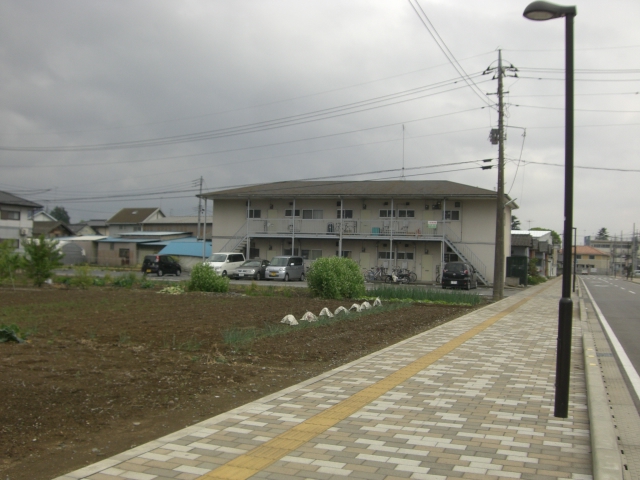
x=161, y=264
x=459, y=275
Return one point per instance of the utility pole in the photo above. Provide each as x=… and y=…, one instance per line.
x=498, y=137
x=200, y=210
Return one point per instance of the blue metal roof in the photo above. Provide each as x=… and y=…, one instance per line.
x=187, y=247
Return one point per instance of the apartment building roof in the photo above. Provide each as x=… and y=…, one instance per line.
x=436, y=189
x=7, y=198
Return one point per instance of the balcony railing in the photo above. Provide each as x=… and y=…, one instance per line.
x=348, y=227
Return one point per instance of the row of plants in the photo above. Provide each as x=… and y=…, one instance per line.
x=236, y=337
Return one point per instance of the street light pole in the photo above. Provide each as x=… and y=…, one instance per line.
x=540, y=10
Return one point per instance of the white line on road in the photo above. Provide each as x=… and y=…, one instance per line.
x=632, y=374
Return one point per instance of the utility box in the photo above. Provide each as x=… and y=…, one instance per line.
x=518, y=266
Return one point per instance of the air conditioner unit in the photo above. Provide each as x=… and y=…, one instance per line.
x=24, y=232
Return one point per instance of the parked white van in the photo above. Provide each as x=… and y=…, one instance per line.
x=225, y=262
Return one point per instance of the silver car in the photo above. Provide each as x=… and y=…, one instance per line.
x=285, y=268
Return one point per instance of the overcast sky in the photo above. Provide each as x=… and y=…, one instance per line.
x=105, y=102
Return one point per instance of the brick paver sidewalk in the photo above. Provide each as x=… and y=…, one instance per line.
x=472, y=398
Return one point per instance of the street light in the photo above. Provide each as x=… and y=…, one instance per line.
x=547, y=11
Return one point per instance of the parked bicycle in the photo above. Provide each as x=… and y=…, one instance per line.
x=401, y=275
x=378, y=274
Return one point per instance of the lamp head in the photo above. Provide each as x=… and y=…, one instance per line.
x=540, y=11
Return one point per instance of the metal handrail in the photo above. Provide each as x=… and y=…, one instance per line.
x=235, y=240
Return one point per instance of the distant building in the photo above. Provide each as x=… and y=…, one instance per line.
x=620, y=252
x=537, y=245
x=590, y=260
x=132, y=220
x=16, y=224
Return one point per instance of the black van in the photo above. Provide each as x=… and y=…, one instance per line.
x=459, y=275
x=161, y=264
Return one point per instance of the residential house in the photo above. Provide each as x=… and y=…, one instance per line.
x=53, y=229
x=132, y=220
x=16, y=224
x=537, y=245
x=410, y=224
x=590, y=260
x=130, y=248
x=42, y=216
x=187, y=223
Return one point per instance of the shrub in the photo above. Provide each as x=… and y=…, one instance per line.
x=41, y=258
x=336, y=277
x=536, y=279
x=9, y=261
x=126, y=281
x=82, y=277
x=205, y=279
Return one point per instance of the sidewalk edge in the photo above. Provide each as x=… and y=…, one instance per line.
x=607, y=463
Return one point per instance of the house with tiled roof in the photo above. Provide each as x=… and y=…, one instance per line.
x=132, y=220
x=419, y=225
x=590, y=260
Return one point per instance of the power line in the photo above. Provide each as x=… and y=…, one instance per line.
x=634, y=170
x=291, y=120
x=447, y=53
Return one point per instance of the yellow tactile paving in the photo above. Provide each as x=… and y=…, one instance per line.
x=256, y=460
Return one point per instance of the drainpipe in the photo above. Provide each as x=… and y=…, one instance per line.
x=204, y=231
x=341, y=228
x=248, y=239
x=293, y=228
x=444, y=230
x=391, y=258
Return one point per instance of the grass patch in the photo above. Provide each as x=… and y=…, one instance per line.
x=425, y=295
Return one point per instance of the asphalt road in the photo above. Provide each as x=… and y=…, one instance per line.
x=619, y=301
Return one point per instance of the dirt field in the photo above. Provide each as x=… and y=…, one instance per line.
x=106, y=369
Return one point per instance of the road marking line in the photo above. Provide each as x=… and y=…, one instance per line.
x=261, y=457
x=630, y=370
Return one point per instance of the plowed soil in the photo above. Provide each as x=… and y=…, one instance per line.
x=106, y=369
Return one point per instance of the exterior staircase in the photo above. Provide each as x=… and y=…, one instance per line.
x=466, y=255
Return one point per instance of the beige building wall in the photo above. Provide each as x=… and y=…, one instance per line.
x=476, y=228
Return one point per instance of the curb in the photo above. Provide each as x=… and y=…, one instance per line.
x=607, y=463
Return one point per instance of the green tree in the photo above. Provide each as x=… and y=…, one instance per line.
x=603, y=234
x=554, y=235
x=336, y=277
x=41, y=257
x=9, y=261
x=515, y=223
x=60, y=213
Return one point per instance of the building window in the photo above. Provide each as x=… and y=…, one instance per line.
x=451, y=215
x=13, y=242
x=405, y=255
x=9, y=215
x=406, y=214
x=123, y=253
x=287, y=213
x=312, y=214
x=287, y=251
x=387, y=213
x=112, y=246
x=578, y=257
x=592, y=257
x=311, y=254
x=345, y=254
x=254, y=213
x=347, y=213
x=386, y=255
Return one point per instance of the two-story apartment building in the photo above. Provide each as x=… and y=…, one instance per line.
x=16, y=224
x=410, y=224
